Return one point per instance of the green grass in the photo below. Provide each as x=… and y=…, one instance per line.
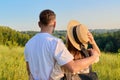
x=108, y=68
x=12, y=64
x=13, y=67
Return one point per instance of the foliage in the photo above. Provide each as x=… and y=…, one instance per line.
x=119, y=50
x=12, y=64
x=108, y=68
x=13, y=67
x=107, y=40
x=61, y=35
x=30, y=33
x=11, y=37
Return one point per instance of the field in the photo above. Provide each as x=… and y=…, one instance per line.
x=13, y=67
x=12, y=64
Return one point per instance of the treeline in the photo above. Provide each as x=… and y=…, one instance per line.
x=10, y=37
x=107, y=40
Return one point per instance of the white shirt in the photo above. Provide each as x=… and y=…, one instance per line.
x=42, y=52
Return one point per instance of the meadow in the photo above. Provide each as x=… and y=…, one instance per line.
x=13, y=67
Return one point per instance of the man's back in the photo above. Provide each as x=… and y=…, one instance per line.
x=43, y=51
x=39, y=52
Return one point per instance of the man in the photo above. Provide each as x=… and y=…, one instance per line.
x=43, y=50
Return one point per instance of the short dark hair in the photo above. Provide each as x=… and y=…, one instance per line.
x=46, y=16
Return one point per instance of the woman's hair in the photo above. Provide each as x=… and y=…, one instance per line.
x=75, y=52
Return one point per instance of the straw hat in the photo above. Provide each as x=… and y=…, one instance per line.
x=81, y=32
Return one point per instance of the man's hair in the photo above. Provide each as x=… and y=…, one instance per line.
x=46, y=16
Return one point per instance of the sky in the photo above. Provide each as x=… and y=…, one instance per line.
x=23, y=15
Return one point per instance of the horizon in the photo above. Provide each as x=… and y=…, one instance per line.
x=23, y=15
x=55, y=29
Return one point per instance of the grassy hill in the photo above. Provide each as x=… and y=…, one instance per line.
x=13, y=67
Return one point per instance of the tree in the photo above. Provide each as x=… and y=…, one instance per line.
x=109, y=47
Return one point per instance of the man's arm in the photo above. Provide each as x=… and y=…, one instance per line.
x=28, y=69
x=30, y=77
x=77, y=65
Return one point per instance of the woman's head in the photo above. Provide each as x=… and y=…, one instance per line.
x=75, y=52
x=77, y=34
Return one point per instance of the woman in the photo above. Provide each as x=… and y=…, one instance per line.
x=77, y=40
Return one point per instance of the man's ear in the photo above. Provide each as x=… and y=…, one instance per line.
x=39, y=24
x=54, y=24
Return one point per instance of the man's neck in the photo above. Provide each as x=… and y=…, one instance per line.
x=46, y=30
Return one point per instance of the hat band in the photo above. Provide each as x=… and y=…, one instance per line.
x=83, y=51
x=75, y=35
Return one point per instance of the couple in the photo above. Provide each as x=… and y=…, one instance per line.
x=47, y=58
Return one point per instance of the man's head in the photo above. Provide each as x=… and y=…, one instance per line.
x=47, y=18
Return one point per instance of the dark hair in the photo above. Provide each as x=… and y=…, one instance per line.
x=70, y=46
x=76, y=53
x=46, y=16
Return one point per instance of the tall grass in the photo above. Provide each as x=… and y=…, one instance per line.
x=12, y=64
x=108, y=68
x=13, y=67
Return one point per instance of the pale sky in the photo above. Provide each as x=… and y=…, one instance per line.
x=22, y=15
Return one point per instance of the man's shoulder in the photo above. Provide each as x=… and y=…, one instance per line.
x=32, y=39
x=55, y=38
x=44, y=37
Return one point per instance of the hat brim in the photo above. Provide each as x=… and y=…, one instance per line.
x=70, y=26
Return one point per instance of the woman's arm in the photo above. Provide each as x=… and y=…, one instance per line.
x=93, y=43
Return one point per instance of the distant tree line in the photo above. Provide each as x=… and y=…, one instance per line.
x=108, y=41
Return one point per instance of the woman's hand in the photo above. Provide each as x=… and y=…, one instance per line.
x=91, y=38
x=95, y=54
x=93, y=43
